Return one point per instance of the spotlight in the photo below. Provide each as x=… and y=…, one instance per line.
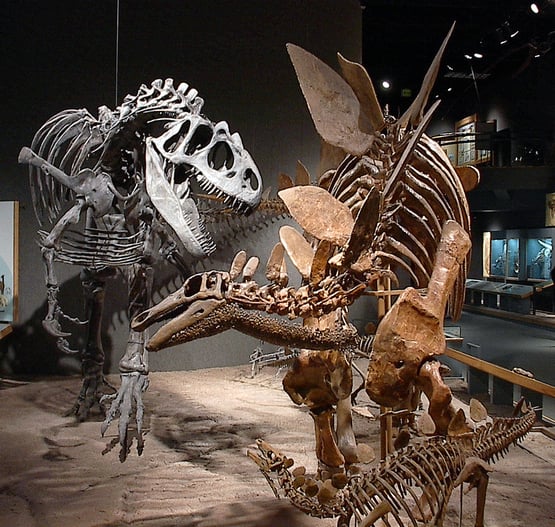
x=386, y=85
x=534, y=8
x=467, y=56
x=478, y=56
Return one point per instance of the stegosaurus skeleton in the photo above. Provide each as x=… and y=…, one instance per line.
x=395, y=202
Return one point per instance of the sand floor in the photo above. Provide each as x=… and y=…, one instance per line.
x=55, y=472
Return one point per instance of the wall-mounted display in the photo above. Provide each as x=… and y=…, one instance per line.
x=513, y=257
x=538, y=258
x=473, y=140
x=9, y=215
x=498, y=257
x=466, y=140
x=518, y=254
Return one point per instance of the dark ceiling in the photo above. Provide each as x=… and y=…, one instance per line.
x=401, y=37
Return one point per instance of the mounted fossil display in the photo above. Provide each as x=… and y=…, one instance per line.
x=393, y=210
x=119, y=193
x=381, y=214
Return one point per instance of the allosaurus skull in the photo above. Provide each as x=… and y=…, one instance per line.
x=192, y=147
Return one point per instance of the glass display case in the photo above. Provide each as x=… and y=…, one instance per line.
x=518, y=255
x=538, y=258
x=513, y=257
x=498, y=258
x=9, y=254
x=505, y=257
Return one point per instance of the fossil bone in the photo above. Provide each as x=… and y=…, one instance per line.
x=408, y=487
x=412, y=330
x=128, y=175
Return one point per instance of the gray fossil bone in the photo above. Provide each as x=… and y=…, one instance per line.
x=117, y=193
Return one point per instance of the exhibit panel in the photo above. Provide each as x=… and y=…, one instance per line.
x=523, y=255
x=9, y=263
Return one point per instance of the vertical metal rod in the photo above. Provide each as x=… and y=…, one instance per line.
x=117, y=50
x=386, y=423
x=461, y=506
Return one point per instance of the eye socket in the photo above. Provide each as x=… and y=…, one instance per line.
x=399, y=363
x=193, y=285
x=250, y=176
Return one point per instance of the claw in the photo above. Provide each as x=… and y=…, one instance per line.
x=129, y=395
x=53, y=327
x=63, y=345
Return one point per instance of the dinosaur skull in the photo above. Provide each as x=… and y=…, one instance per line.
x=193, y=148
x=199, y=296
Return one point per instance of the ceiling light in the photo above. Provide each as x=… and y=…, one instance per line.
x=449, y=89
x=386, y=85
x=478, y=56
x=450, y=68
x=534, y=8
x=467, y=56
x=515, y=33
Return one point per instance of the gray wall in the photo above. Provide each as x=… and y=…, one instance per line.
x=60, y=54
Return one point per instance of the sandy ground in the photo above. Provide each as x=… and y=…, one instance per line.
x=194, y=471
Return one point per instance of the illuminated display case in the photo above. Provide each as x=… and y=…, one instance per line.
x=538, y=258
x=519, y=255
x=9, y=263
x=505, y=257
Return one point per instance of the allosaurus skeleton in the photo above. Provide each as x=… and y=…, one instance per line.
x=120, y=192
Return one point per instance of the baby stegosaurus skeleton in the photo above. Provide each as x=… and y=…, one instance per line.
x=120, y=193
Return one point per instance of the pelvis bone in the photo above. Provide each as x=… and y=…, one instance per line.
x=411, y=333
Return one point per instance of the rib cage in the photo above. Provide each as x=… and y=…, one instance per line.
x=75, y=139
x=415, y=202
x=419, y=477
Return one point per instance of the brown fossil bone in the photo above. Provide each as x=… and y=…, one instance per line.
x=417, y=189
x=439, y=395
x=332, y=103
x=303, y=202
x=320, y=380
x=298, y=249
x=411, y=333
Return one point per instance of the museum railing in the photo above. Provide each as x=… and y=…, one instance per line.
x=496, y=376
